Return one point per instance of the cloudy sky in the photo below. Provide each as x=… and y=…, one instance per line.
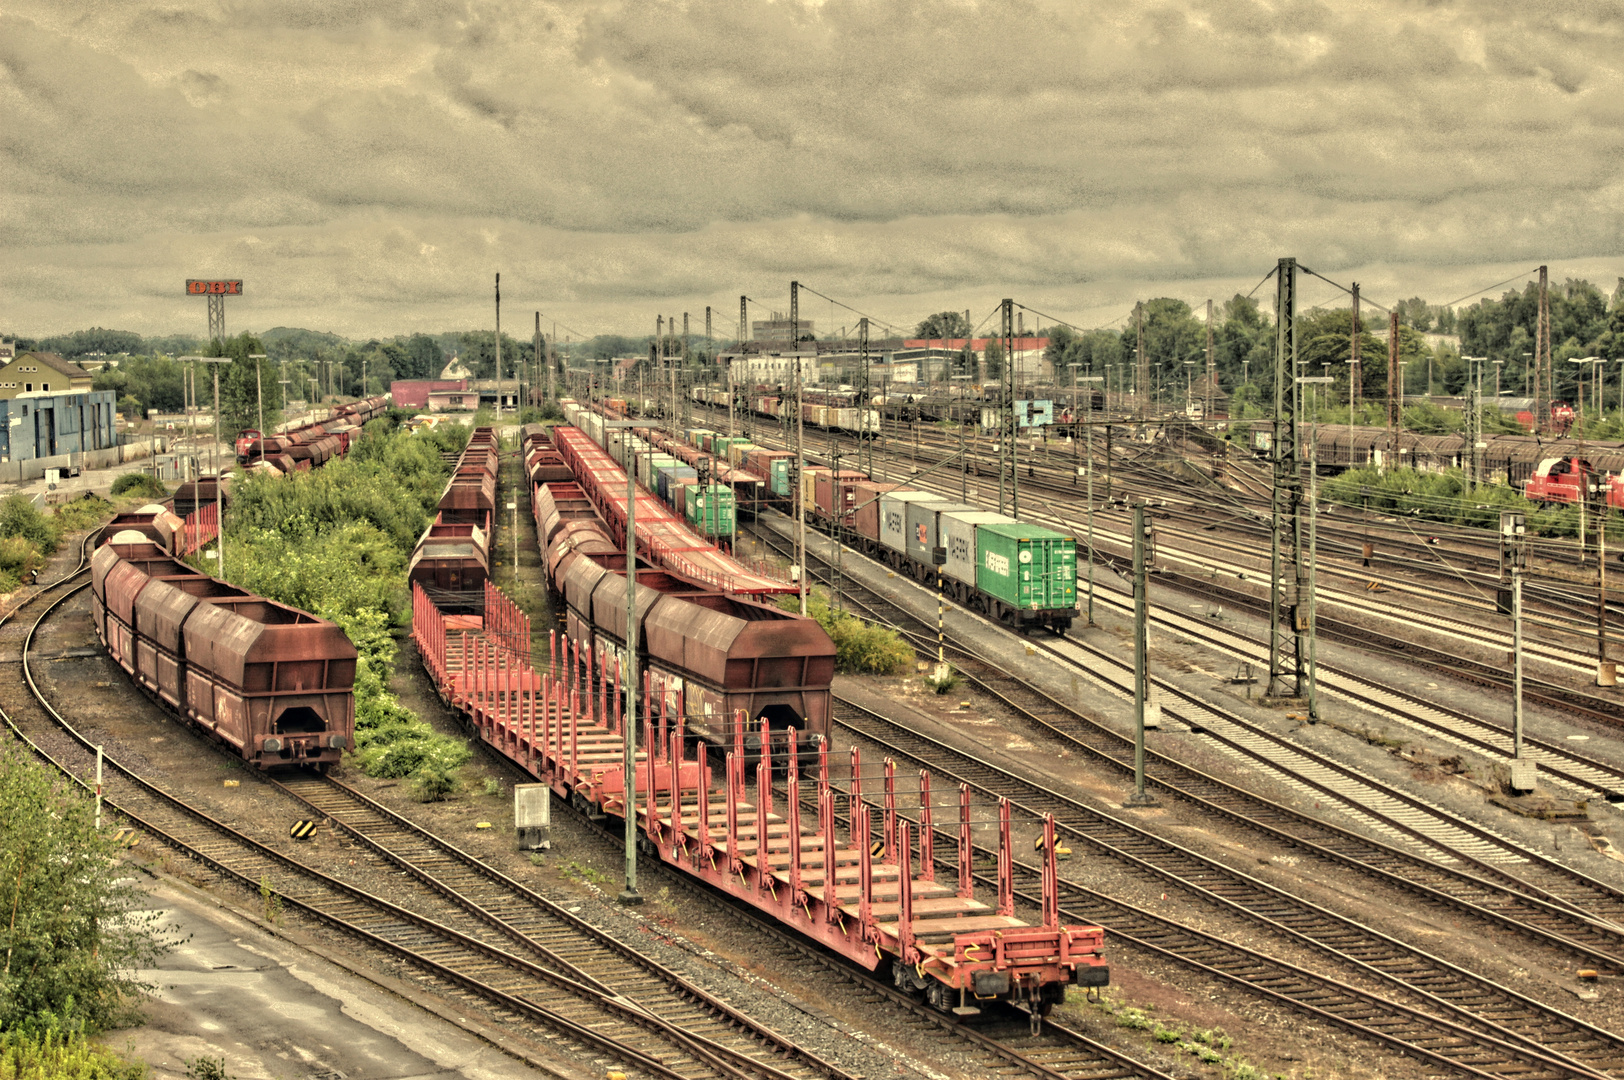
x=367, y=165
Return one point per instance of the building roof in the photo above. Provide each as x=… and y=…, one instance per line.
x=1020, y=344
x=57, y=364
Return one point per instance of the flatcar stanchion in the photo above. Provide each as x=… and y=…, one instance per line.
x=1141, y=667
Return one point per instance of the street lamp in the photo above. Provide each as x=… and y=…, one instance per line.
x=1595, y=379
x=259, y=396
x=219, y=484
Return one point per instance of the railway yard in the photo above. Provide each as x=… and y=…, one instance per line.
x=830, y=864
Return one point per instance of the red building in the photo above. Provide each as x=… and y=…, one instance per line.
x=415, y=393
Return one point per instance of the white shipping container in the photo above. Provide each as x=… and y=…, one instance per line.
x=894, y=516
x=958, y=533
x=843, y=418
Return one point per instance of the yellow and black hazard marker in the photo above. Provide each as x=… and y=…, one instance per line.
x=1061, y=851
x=302, y=830
x=877, y=849
x=126, y=838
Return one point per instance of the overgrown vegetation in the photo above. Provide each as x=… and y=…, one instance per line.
x=73, y=933
x=336, y=541
x=1445, y=497
x=28, y=535
x=139, y=484
x=1210, y=1046
x=53, y=1053
x=860, y=648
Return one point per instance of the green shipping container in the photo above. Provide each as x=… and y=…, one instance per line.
x=720, y=444
x=709, y=509
x=778, y=482
x=1026, y=566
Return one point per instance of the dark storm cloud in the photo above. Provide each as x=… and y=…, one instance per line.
x=367, y=166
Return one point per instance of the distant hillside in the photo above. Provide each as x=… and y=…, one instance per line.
x=296, y=338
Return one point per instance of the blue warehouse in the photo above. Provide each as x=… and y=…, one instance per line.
x=44, y=425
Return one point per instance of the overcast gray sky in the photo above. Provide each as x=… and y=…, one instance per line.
x=366, y=166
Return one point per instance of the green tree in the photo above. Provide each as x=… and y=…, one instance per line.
x=151, y=382
x=993, y=359
x=943, y=324
x=245, y=384
x=1582, y=324
x=94, y=340
x=423, y=358
x=74, y=933
x=1326, y=336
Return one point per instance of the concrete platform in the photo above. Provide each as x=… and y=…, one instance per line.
x=274, y=1009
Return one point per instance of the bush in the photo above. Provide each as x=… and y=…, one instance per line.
x=1444, y=497
x=82, y=513
x=17, y=558
x=53, y=1053
x=860, y=648
x=20, y=519
x=336, y=542
x=75, y=933
x=140, y=485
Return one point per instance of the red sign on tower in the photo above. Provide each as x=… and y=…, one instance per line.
x=198, y=287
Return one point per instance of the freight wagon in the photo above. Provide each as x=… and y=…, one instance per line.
x=836, y=863
x=273, y=683
x=1024, y=576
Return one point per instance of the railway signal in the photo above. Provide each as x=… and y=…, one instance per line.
x=1142, y=554
x=1513, y=561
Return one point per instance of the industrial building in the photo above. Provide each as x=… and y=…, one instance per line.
x=41, y=425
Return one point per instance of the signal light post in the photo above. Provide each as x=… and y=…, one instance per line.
x=1141, y=659
x=629, y=895
x=1513, y=561
x=1088, y=434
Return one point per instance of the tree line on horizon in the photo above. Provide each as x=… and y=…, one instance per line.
x=1585, y=321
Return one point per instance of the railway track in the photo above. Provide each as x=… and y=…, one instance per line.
x=1538, y=691
x=1586, y=777
x=1494, y=894
x=1430, y=1007
x=481, y=958
x=569, y=944
x=1419, y=557
x=1451, y=859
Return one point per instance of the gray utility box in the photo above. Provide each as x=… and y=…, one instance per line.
x=533, y=816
